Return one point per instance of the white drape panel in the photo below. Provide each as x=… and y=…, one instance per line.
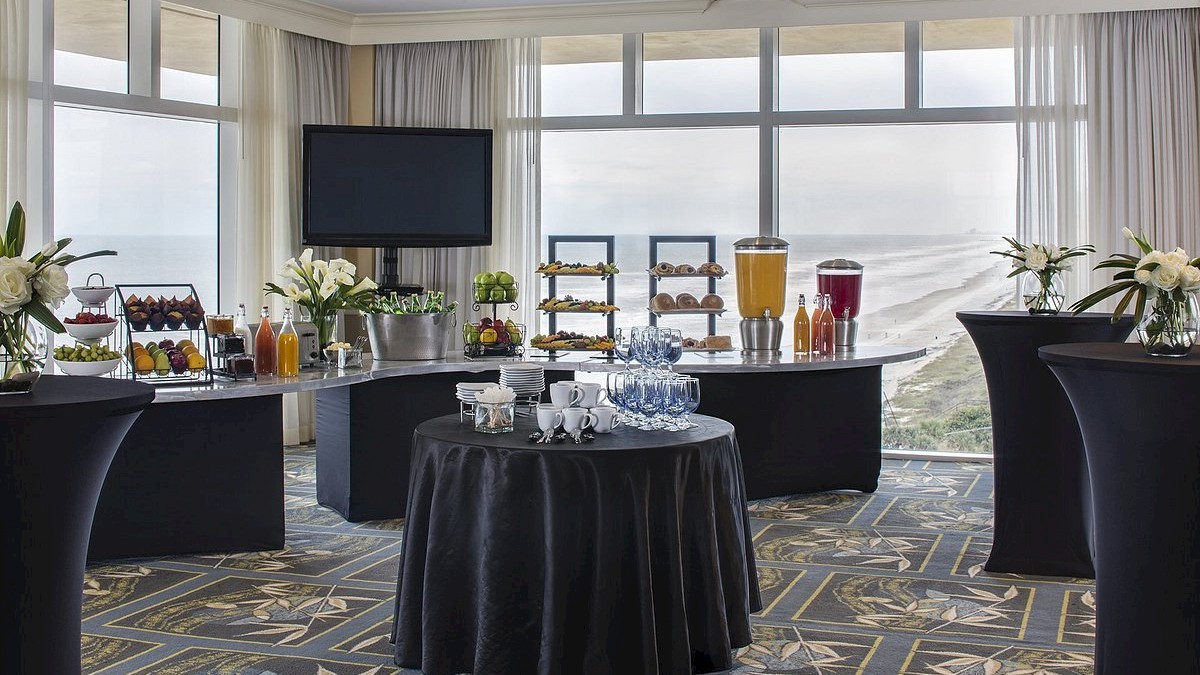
x=14, y=100
x=288, y=80
x=478, y=84
x=1108, y=123
x=1144, y=84
x=1052, y=185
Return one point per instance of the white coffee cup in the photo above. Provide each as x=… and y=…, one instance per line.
x=577, y=419
x=564, y=394
x=549, y=417
x=589, y=394
x=606, y=419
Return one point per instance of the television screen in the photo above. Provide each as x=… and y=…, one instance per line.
x=396, y=186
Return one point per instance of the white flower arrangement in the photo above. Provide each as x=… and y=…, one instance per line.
x=1041, y=259
x=323, y=288
x=496, y=395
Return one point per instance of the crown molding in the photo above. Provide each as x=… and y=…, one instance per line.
x=297, y=16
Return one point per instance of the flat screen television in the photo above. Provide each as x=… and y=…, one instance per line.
x=400, y=187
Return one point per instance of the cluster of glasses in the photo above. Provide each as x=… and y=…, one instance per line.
x=652, y=397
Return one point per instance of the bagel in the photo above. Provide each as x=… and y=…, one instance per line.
x=686, y=301
x=685, y=269
x=664, y=268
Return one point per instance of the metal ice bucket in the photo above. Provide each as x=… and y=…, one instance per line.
x=408, y=337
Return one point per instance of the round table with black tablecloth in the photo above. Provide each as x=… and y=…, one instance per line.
x=1043, y=509
x=1138, y=418
x=58, y=443
x=630, y=554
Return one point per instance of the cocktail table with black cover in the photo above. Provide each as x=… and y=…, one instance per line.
x=1042, y=504
x=58, y=442
x=1138, y=417
x=631, y=554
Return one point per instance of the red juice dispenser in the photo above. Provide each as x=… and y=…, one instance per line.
x=841, y=280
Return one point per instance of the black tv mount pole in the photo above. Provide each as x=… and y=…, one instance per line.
x=389, y=275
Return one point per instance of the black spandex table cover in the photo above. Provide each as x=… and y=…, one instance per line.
x=58, y=442
x=630, y=555
x=1138, y=417
x=1043, y=513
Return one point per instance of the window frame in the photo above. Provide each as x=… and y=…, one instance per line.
x=144, y=98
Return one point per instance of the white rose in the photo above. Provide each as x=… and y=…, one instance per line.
x=1142, y=276
x=15, y=289
x=51, y=285
x=1035, y=259
x=1166, y=277
x=1189, y=279
x=1177, y=258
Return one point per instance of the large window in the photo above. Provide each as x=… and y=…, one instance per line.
x=910, y=171
x=138, y=173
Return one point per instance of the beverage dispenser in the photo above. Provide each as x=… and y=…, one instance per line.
x=841, y=280
x=761, y=265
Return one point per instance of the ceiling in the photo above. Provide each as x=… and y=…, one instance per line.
x=365, y=22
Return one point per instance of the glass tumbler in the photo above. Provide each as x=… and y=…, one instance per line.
x=494, y=418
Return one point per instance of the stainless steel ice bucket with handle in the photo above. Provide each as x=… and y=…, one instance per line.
x=409, y=337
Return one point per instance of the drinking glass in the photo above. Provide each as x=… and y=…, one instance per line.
x=623, y=345
x=691, y=396
x=672, y=348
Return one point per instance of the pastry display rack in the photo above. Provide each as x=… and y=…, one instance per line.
x=142, y=329
x=506, y=344
x=609, y=279
x=655, y=277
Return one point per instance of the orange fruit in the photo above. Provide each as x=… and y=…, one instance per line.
x=143, y=364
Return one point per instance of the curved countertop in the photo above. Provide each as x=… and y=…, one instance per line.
x=692, y=362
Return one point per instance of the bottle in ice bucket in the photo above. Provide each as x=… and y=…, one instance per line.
x=287, y=351
x=264, y=345
x=800, y=330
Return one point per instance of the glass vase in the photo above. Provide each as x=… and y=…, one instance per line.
x=1169, y=325
x=23, y=349
x=494, y=418
x=1043, y=292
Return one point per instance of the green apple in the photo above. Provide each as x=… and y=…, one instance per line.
x=497, y=294
x=505, y=279
x=485, y=279
x=510, y=294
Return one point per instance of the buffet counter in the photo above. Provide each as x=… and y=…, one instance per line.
x=201, y=469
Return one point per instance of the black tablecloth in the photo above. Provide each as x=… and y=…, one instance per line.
x=628, y=555
x=1138, y=418
x=1043, y=511
x=58, y=443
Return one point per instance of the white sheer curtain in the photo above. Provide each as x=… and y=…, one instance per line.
x=14, y=100
x=478, y=84
x=288, y=80
x=1109, y=131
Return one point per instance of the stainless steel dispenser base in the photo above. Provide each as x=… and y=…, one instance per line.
x=761, y=335
x=845, y=334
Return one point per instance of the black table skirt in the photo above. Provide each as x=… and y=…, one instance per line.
x=628, y=555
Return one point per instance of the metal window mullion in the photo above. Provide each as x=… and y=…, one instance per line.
x=143, y=48
x=768, y=134
x=631, y=74
x=912, y=65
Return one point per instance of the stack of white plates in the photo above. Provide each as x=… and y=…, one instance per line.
x=525, y=379
x=467, y=390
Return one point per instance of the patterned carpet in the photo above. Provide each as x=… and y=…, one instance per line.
x=851, y=583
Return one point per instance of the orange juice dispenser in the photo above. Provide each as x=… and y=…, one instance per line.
x=841, y=280
x=761, y=265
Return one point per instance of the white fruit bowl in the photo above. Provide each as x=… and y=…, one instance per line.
x=93, y=295
x=90, y=331
x=87, y=367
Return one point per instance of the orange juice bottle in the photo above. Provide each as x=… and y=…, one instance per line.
x=801, y=338
x=827, y=346
x=287, y=348
x=264, y=345
x=815, y=324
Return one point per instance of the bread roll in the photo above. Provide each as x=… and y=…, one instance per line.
x=712, y=301
x=687, y=301
x=664, y=268
x=712, y=268
x=685, y=269
x=718, y=342
x=662, y=301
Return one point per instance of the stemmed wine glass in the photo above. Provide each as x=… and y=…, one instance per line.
x=690, y=393
x=673, y=339
x=623, y=345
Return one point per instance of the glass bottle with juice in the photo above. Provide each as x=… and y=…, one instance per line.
x=827, y=327
x=264, y=345
x=815, y=323
x=287, y=348
x=801, y=338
